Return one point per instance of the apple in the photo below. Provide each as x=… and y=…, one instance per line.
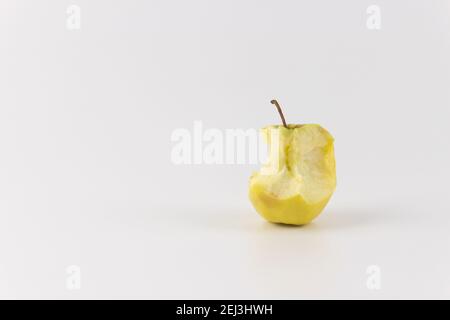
x=298, y=180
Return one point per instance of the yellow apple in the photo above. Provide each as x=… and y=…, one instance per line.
x=294, y=186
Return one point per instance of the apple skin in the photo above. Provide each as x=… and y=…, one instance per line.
x=301, y=186
x=294, y=210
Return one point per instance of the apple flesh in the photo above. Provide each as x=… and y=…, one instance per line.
x=295, y=185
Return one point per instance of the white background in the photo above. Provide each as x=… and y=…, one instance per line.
x=86, y=118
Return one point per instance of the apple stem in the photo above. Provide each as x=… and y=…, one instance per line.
x=275, y=102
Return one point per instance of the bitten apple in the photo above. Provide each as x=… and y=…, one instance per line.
x=298, y=180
